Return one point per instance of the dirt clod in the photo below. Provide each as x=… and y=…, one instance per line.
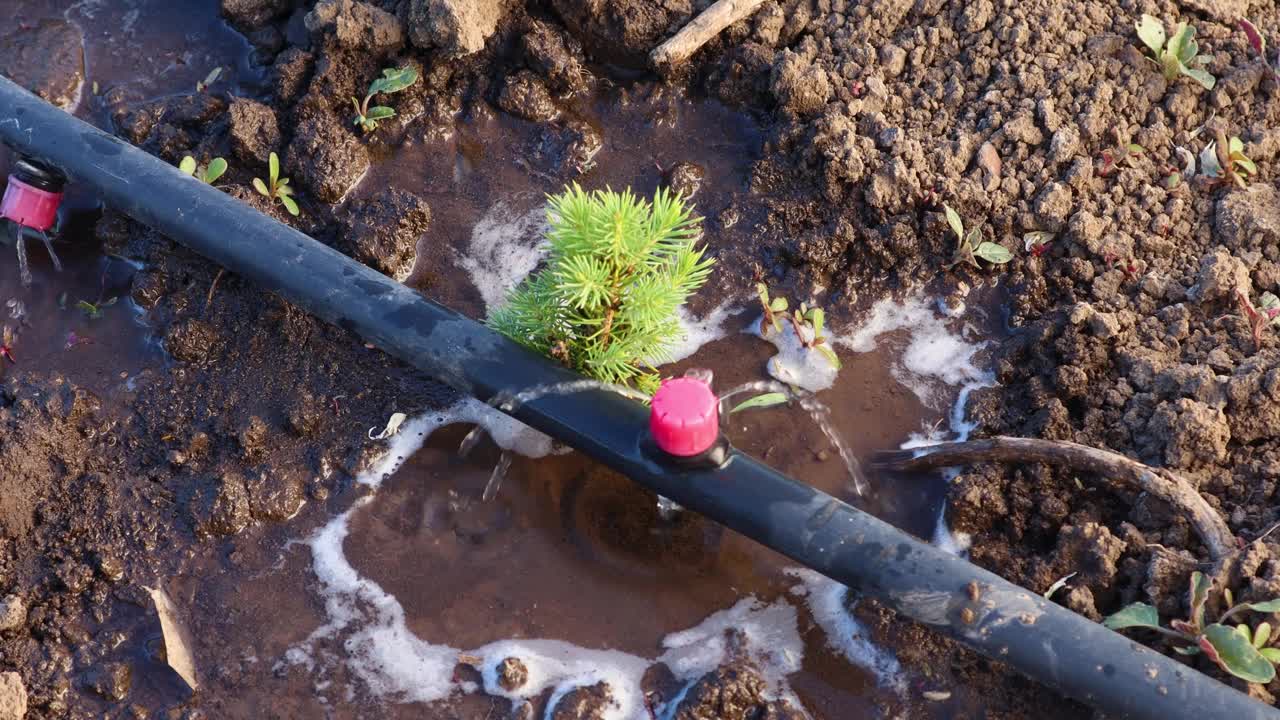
x=326, y=157
x=357, y=25
x=222, y=506
x=798, y=85
x=623, y=31
x=13, y=613
x=525, y=96
x=47, y=59
x=383, y=231
x=249, y=15
x=13, y=696
x=457, y=27
x=730, y=692
x=254, y=131
x=275, y=495
x=584, y=703
x=512, y=674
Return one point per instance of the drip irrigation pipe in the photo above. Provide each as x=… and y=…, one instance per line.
x=1047, y=642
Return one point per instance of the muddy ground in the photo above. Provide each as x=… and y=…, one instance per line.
x=167, y=441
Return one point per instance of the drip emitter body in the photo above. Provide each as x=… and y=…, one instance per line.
x=30, y=205
x=684, y=422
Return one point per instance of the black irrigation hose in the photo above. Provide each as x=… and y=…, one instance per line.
x=994, y=617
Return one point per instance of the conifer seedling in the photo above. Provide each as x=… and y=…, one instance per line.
x=605, y=303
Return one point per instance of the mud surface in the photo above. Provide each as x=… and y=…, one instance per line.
x=186, y=434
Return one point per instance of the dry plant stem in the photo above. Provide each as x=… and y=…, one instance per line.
x=213, y=286
x=700, y=30
x=1162, y=484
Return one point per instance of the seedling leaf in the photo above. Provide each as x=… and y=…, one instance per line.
x=394, y=80
x=953, y=219
x=1136, y=615
x=993, y=253
x=1151, y=32
x=1261, y=635
x=1256, y=40
x=1200, y=586
x=261, y=187
x=216, y=168
x=380, y=112
x=273, y=164
x=1236, y=654
x=289, y=205
x=188, y=165
x=1271, y=654
x=830, y=355
x=1269, y=606
x=761, y=401
x=1203, y=77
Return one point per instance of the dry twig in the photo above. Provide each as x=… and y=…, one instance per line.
x=700, y=30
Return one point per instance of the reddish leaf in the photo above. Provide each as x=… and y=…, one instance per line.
x=1255, y=38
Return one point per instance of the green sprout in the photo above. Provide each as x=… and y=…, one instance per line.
x=210, y=174
x=971, y=247
x=93, y=311
x=1239, y=650
x=807, y=322
x=279, y=188
x=605, y=303
x=1225, y=159
x=393, y=80
x=1179, y=55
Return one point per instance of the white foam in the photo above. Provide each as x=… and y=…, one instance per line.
x=700, y=331
x=796, y=364
x=506, y=245
x=507, y=432
x=396, y=665
x=845, y=634
x=935, y=357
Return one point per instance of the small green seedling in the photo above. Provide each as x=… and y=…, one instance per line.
x=1225, y=159
x=775, y=309
x=1179, y=55
x=807, y=322
x=93, y=311
x=1259, y=45
x=1239, y=650
x=1113, y=159
x=393, y=80
x=209, y=79
x=1261, y=316
x=210, y=174
x=279, y=188
x=971, y=247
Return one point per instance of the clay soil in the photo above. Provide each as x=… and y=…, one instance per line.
x=186, y=435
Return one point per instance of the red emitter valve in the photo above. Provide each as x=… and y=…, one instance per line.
x=684, y=419
x=31, y=203
x=33, y=196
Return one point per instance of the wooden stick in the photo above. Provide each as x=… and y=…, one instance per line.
x=700, y=30
x=1209, y=525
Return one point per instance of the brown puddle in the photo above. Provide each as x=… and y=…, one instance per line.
x=79, y=322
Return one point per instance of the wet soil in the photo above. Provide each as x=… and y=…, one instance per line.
x=183, y=438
